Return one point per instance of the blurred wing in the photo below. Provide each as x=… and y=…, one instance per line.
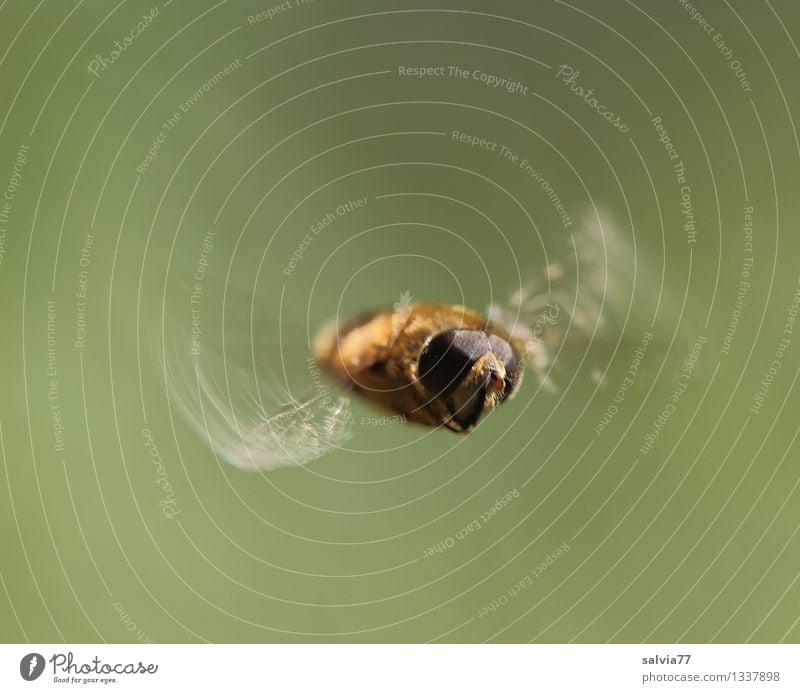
x=595, y=294
x=251, y=434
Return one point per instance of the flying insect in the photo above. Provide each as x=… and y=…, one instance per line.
x=433, y=363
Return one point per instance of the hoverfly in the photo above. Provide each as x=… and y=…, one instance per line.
x=433, y=363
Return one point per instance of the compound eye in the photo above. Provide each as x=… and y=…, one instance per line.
x=507, y=356
x=448, y=357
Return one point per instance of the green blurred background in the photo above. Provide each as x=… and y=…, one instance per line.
x=285, y=116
